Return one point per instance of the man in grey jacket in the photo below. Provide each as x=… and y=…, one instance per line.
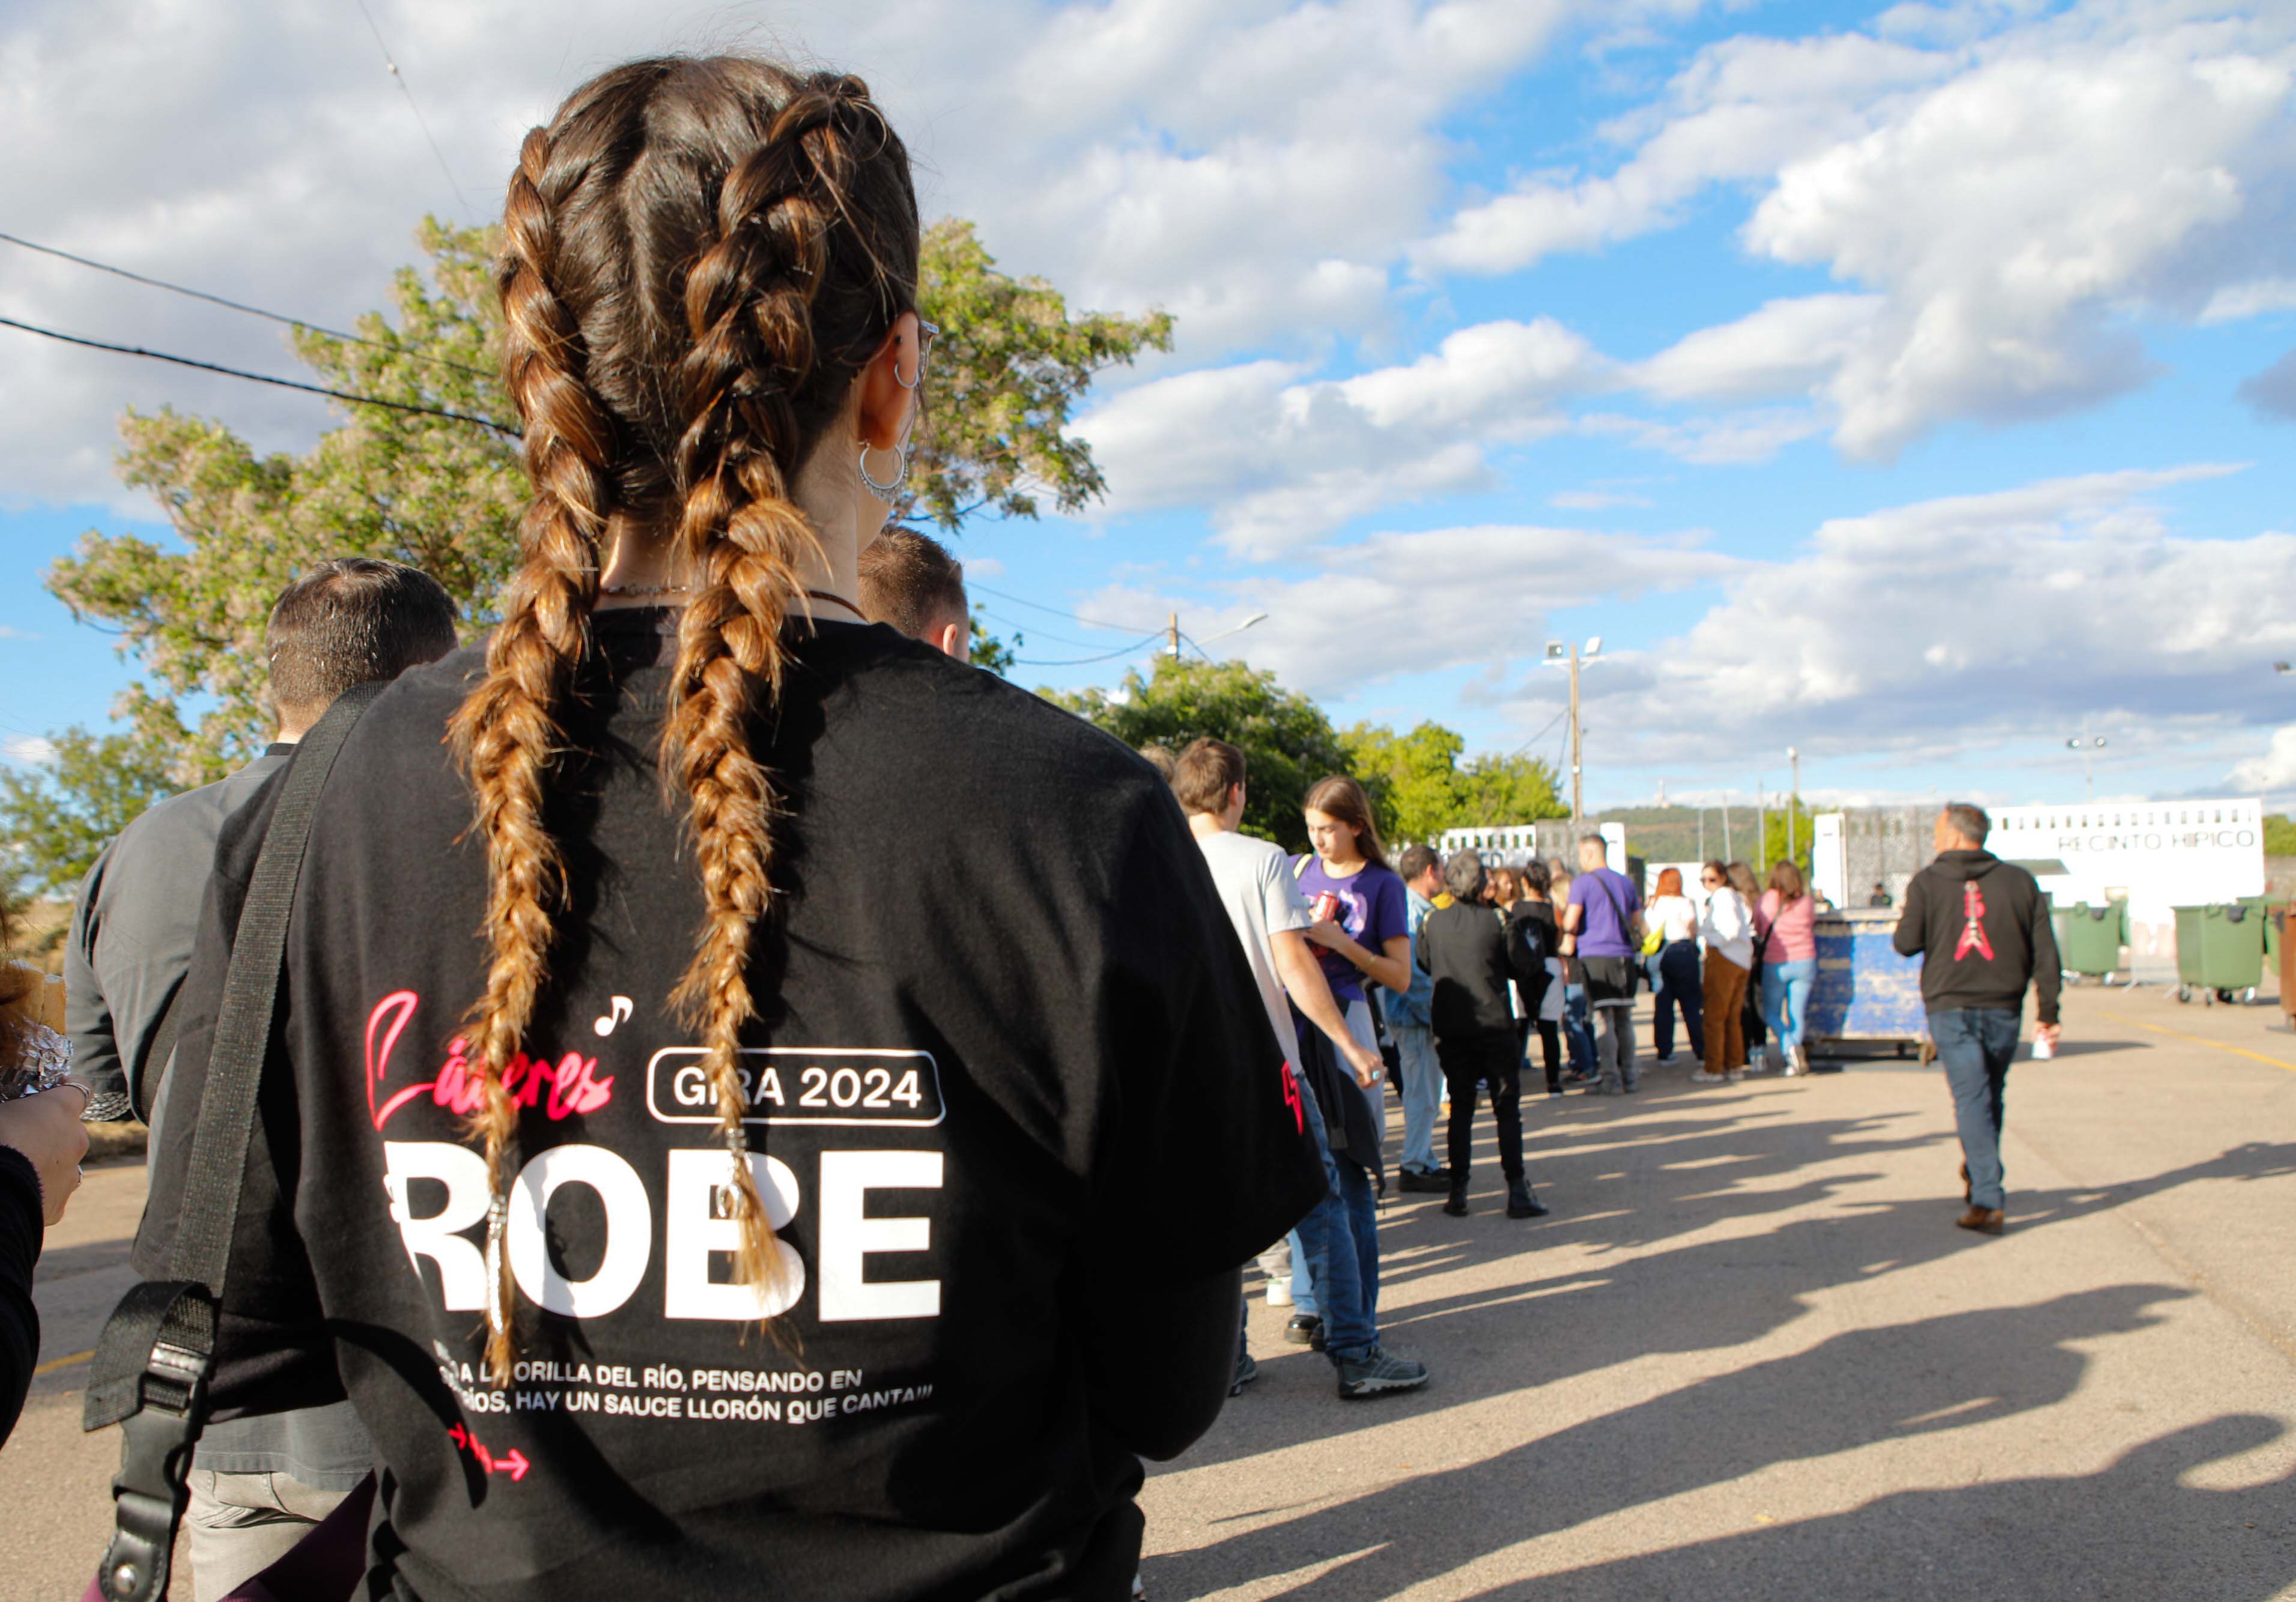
x=259, y=1482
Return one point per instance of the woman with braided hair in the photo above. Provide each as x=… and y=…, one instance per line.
x=679, y=1219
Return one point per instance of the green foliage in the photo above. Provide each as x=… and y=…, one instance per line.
x=1510, y=789
x=57, y=817
x=1287, y=741
x=990, y=652
x=445, y=496
x=2280, y=835
x=1774, y=834
x=1419, y=788
x=1007, y=371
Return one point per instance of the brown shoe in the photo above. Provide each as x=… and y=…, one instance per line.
x=1985, y=1220
x=1965, y=1191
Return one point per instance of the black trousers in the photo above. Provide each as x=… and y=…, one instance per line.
x=1550, y=1045
x=1497, y=1059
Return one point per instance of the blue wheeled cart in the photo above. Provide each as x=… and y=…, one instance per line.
x=1865, y=994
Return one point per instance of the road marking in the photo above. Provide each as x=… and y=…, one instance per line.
x=2277, y=1062
x=51, y=1366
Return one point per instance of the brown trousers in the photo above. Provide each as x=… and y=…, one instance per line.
x=1725, y=986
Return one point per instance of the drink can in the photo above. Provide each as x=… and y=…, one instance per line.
x=1327, y=907
x=2043, y=1047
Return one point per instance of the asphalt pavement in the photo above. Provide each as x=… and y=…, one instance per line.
x=1748, y=1357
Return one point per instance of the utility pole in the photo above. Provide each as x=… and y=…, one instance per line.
x=1578, y=811
x=1729, y=855
x=1761, y=829
x=1174, y=647
x=1793, y=807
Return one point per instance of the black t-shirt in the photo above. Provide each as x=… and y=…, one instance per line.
x=1006, y=1039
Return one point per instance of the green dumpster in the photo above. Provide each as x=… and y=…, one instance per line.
x=2089, y=939
x=2270, y=913
x=2220, y=952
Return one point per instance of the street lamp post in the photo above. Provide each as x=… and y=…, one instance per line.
x=2087, y=747
x=1793, y=806
x=1559, y=655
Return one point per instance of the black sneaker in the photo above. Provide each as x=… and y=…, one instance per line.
x=1521, y=1203
x=1305, y=1329
x=1375, y=1371
x=1246, y=1371
x=1436, y=1179
x=1457, y=1207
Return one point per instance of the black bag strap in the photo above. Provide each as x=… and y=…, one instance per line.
x=152, y=1363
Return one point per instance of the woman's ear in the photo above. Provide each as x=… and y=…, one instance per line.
x=888, y=386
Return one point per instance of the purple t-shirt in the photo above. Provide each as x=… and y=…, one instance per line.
x=1372, y=908
x=1609, y=898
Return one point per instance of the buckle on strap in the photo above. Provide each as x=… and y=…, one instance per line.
x=160, y=1404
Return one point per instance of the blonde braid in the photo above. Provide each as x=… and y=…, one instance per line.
x=507, y=731
x=748, y=303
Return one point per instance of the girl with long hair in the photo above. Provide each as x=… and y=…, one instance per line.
x=1787, y=919
x=1725, y=923
x=1674, y=980
x=683, y=1223
x=1363, y=930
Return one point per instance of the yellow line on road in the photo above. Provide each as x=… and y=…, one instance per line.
x=61, y=1362
x=2201, y=1041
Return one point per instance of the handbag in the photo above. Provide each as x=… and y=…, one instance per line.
x=152, y=1363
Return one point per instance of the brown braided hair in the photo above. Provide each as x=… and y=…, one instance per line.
x=699, y=256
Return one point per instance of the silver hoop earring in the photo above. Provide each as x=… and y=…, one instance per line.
x=884, y=492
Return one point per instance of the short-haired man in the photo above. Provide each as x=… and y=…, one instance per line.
x=1603, y=927
x=910, y=581
x=1981, y=929
x=1473, y=960
x=1411, y=1024
x=258, y=1484
x=1341, y=1237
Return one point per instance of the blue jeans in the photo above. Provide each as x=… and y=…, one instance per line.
x=1974, y=1045
x=1578, y=1031
x=1338, y=1244
x=1785, y=999
x=1422, y=1092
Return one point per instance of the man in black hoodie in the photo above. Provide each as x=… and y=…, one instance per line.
x=1981, y=929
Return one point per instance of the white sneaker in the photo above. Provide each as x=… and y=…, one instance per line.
x=1279, y=1293
x=1703, y=1077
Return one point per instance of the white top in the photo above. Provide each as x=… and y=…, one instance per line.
x=1674, y=915
x=1255, y=884
x=1728, y=926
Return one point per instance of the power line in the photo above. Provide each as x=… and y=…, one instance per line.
x=1125, y=628
x=259, y=378
x=1081, y=661
x=240, y=305
x=420, y=121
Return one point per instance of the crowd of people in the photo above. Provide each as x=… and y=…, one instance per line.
x=633, y=1204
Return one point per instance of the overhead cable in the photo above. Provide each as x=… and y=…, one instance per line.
x=1081, y=661
x=240, y=305
x=260, y=378
x=421, y=121
x=1128, y=628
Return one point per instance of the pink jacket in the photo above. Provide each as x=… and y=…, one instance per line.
x=1793, y=934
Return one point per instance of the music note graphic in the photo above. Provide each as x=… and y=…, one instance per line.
x=620, y=1009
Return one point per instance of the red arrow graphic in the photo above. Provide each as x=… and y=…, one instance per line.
x=514, y=1462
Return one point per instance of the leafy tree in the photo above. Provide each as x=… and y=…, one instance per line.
x=447, y=495
x=1008, y=369
x=990, y=652
x=2279, y=835
x=1287, y=741
x=1419, y=788
x=1774, y=834
x=61, y=814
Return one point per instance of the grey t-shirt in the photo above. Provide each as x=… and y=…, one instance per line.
x=1261, y=897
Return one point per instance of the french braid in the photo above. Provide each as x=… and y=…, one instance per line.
x=748, y=305
x=699, y=258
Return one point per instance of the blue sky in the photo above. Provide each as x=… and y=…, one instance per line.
x=1869, y=379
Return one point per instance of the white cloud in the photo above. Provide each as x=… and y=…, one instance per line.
x=2273, y=391
x=1283, y=460
x=1402, y=602
x=2002, y=201
x=2275, y=770
x=2252, y=299
x=28, y=748
x=1935, y=627
x=1731, y=440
